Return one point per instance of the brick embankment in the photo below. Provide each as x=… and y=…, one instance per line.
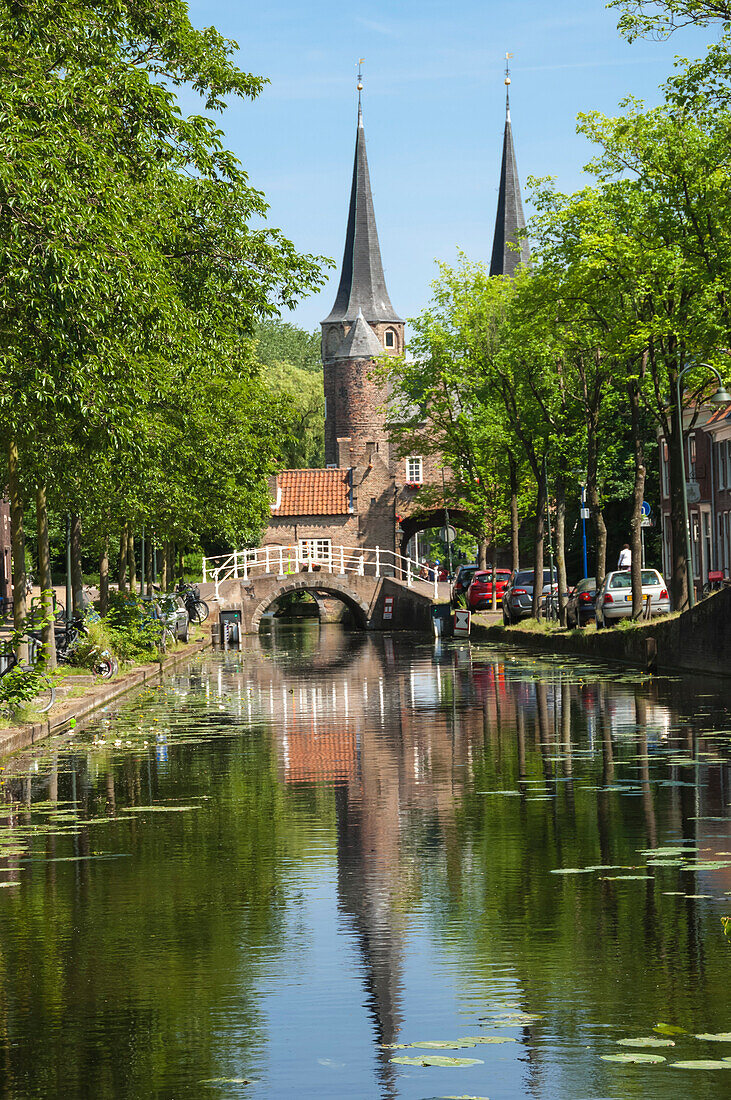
x=85, y=706
x=696, y=641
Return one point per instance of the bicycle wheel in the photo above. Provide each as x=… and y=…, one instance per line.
x=199, y=612
x=104, y=667
x=46, y=696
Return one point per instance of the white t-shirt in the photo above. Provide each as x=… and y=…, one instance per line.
x=625, y=559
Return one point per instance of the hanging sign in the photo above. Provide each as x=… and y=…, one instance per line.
x=388, y=607
x=461, y=624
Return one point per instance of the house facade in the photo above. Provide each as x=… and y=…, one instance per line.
x=707, y=452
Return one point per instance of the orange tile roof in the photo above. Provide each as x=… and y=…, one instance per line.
x=312, y=493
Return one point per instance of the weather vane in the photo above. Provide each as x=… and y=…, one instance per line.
x=507, y=67
x=360, y=76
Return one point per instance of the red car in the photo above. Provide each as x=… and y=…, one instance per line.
x=479, y=593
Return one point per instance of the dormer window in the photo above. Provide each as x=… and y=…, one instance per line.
x=390, y=338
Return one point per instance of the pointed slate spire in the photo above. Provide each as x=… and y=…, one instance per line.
x=361, y=341
x=362, y=285
x=510, y=218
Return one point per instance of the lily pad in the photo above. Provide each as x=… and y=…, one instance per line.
x=702, y=1063
x=571, y=870
x=636, y=1057
x=719, y=1037
x=440, y=1044
x=472, y=1039
x=437, y=1060
x=669, y=1029
x=646, y=1041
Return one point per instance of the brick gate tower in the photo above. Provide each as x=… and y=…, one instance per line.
x=361, y=326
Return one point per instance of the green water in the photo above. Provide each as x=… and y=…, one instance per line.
x=253, y=879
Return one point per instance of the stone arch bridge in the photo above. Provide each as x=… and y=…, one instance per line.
x=382, y=590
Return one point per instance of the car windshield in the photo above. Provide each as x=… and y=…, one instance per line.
x=526, y=577
x=587, y=585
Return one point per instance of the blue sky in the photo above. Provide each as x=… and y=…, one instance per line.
x=434, y=110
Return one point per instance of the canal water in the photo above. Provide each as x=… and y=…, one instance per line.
x=263, y=877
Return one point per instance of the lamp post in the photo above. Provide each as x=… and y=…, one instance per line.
x=720, y=397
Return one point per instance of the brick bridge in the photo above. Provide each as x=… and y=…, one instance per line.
x=369, y=583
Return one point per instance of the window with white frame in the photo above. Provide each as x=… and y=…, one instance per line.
x=691, y=456
x=414, y=470
x=718, y=449
x=317, y=551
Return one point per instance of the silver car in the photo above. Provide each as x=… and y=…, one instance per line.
x=614, y=600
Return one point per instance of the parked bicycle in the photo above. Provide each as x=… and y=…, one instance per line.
x=198, y=610
x=714, y=583
x=68, y=637
x=30, y=686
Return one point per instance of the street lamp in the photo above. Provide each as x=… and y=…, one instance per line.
x=720, y=397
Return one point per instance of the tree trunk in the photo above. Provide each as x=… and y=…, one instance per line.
x=679, y=578
x=77, y=577
x=122, y=573
x=48, y=655
x=164, y=567
x=638, y=495
x=540, y=528
x=592, y=496
x=514, y=521
x=17, y=538
x=181, y=564
x=482, y=545
x=561, y=548
x=104, y=577
x=131, y=563
x=148, y=564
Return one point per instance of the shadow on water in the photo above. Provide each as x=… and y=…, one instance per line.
x=258, y=877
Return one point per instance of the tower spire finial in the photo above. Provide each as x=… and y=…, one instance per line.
x=507, y=84
x=360, y=84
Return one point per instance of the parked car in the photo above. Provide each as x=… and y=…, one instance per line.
x=171, y=609
x=479, y=593
x=614, y=601
x=518, y=594
x=580, y=608
x=463, y=579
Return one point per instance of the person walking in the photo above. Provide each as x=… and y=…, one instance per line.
x=625, y=557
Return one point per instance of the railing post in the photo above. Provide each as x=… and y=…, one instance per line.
x=215, y=574
x=246, y=570
x=281, y=561
x=266, y=551
x=408, y=572
x=236, y=564
x=205, y=578
x=436, y=584
x=342, y=559
x=378, y=561
x=296, y=558
x=330, y=557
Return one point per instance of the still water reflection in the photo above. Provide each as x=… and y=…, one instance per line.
x=253, y=880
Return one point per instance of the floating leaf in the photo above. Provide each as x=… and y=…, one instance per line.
x=626, y=878
x=437, y=1060
x=640, y=1059
x=439, y=1044
x=571, y=870
x=719, y=1037
x=227, y=1081
x=472, y=1039
x=703, y=1063
x=646, y=1041
x=669, y=1029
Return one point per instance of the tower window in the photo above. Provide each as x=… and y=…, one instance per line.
x=390, y=338
x=414, y=471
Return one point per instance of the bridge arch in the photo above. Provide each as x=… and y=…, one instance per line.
x=317, y=583
x=423, y=521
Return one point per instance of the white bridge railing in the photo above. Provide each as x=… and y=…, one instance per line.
x=338, y=560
